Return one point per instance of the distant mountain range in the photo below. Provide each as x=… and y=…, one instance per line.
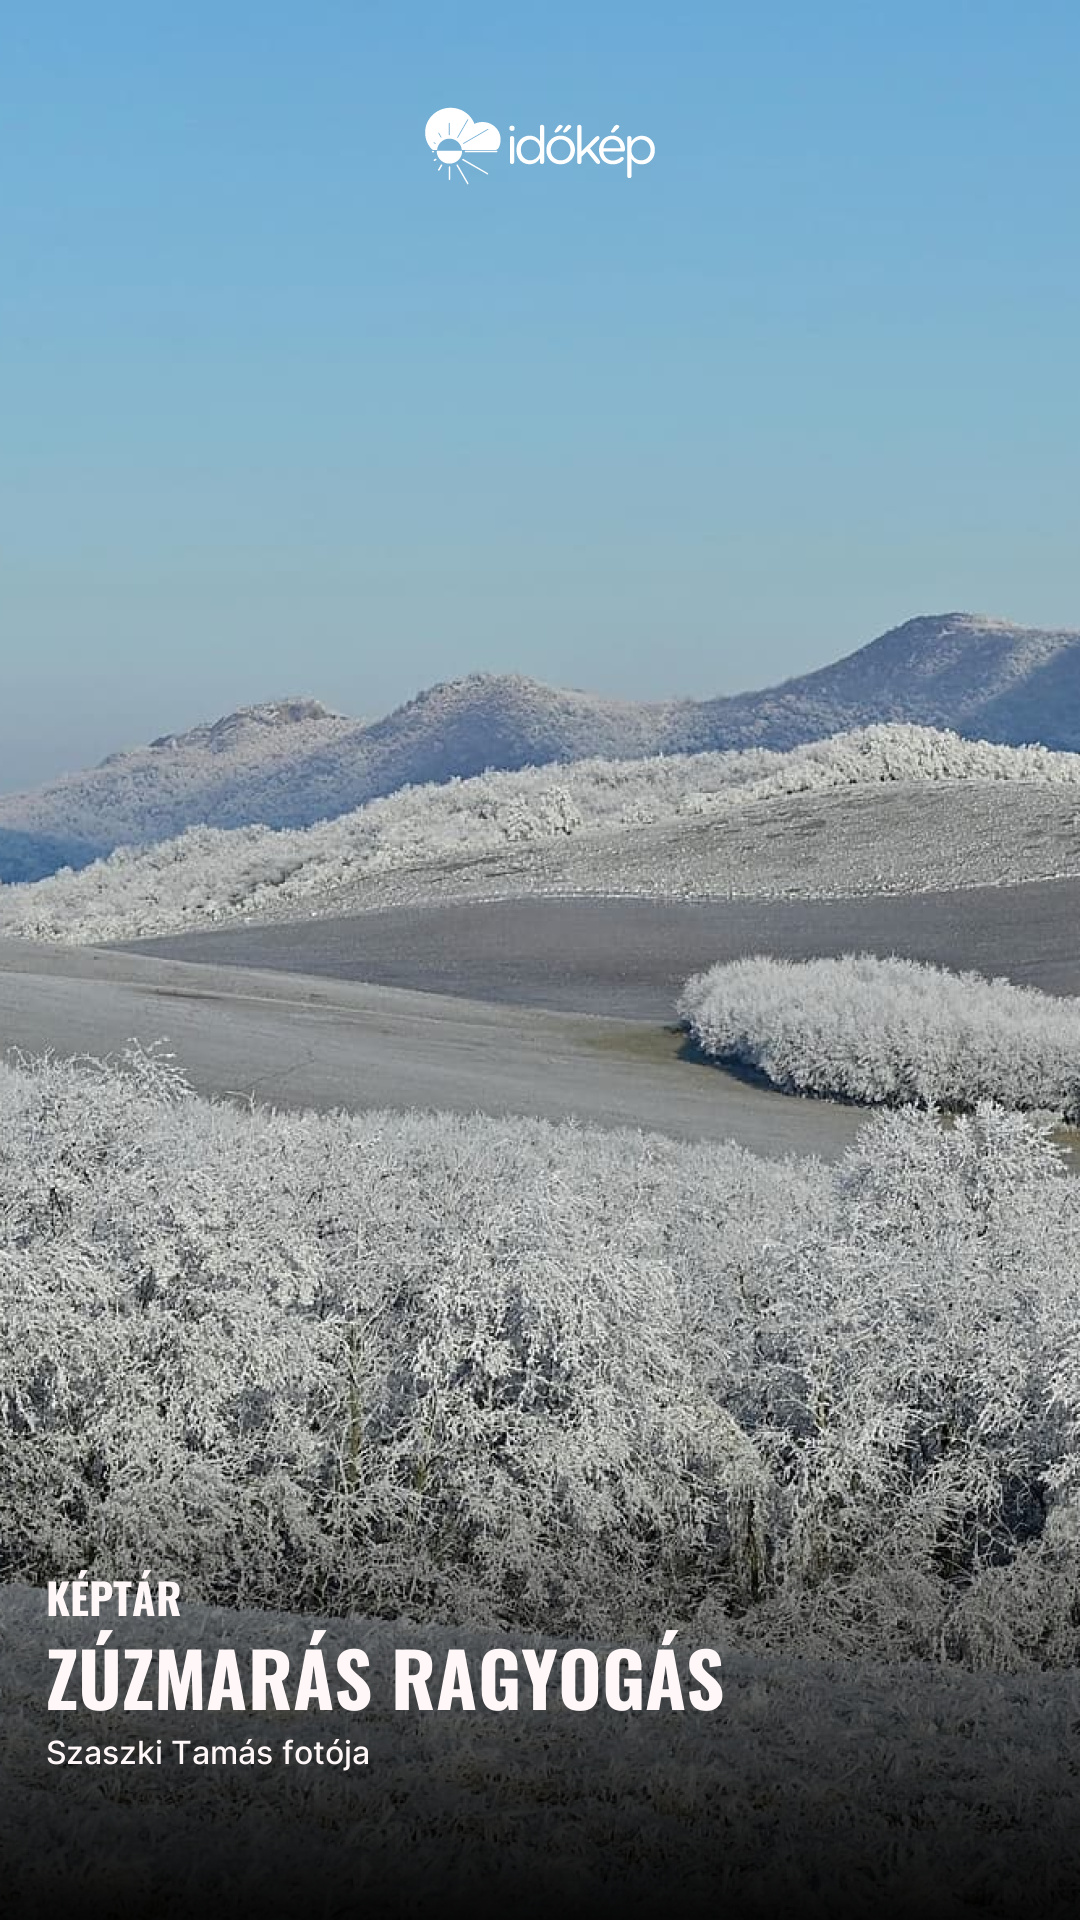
x=289, y=763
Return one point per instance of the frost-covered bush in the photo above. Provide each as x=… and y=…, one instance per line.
x=890, y=1032
x=208, y=875
x=504, y=1371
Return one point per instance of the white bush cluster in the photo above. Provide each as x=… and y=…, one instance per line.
x=502, y=1371
x=889, y=1032
x=210, y=875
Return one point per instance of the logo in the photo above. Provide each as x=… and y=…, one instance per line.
x=606, y=150
x=454, y=136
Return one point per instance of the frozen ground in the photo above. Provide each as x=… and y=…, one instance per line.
x=632, y=957
x=826, y=1789
x=301, y=1042
x=423, y=1006
x=871, y=841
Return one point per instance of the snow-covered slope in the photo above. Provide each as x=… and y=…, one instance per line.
x=980, y=677
x=280, y=762
x=291, y=763
x=678, y=825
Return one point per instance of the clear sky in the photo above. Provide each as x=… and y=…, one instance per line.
x=283, y=408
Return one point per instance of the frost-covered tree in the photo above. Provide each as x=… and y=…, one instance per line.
x=504, y=1371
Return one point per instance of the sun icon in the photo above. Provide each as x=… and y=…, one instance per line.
x=454, y=136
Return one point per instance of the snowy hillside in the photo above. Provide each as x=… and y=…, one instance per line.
x=666, y=819
x=280, y=762
x=291, y=763
x=984, y=678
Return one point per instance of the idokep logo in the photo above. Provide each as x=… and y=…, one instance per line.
x=607, y=150
x=454, y=136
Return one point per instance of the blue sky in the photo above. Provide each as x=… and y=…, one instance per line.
x=283, y=409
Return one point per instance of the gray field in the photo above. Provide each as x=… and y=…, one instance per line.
x=630, y=957
x=299, y=1042
x=544, y=1007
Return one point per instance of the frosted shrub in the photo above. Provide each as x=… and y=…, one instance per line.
x=506, y=1372
x=890, y=1031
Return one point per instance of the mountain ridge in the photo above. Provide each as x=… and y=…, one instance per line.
x=293, y=761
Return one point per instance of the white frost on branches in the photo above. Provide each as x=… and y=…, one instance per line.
x=889, y=1032
x=209, y=876
x=501, y=1371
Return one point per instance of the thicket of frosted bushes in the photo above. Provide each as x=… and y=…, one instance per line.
x=890, y=1032
x=209, y=875
x=500, y=1371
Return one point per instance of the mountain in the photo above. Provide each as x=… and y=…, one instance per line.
x=289, y=763
x=985, y=679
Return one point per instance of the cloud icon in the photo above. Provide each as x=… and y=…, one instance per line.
x=454, y=137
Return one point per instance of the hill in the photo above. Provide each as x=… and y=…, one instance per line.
x=942, y=812
x=293, y=762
